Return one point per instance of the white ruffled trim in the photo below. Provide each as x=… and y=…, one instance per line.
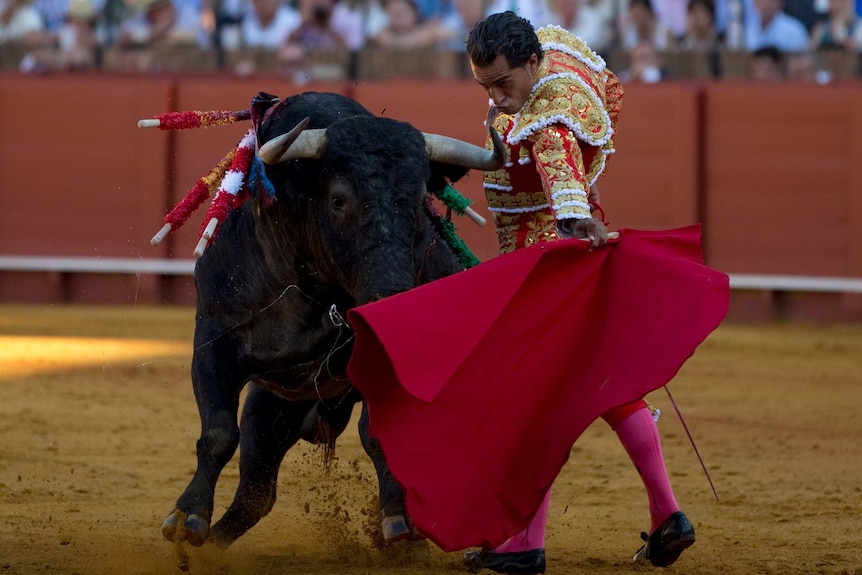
x=520, y=210
x=515, y=136
x=573, y=217
x=571, y=204
x=507, y=165
x=497, y=187
x=524, y=161
x=601, y=170
x=569, y=192
x=598, y=65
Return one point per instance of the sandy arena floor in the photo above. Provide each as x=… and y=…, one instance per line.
x=98, y=426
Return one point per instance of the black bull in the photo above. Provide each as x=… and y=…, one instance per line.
x=349, y=224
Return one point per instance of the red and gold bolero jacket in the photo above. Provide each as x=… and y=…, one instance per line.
x=557, y=143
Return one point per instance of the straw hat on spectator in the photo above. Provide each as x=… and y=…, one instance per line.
x=82, y=10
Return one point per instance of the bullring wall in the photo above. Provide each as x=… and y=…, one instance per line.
x=772, y=171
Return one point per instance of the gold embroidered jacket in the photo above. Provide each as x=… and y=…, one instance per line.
x=557, y=143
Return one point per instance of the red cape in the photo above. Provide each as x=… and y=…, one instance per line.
x=479, y=384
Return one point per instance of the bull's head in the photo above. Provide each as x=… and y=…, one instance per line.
x=361, y=201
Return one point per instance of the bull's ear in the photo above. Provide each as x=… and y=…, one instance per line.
x=260, y=105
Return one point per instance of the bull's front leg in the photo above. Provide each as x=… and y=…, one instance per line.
x=395, y=522
x=270, y=426
x=217, y=391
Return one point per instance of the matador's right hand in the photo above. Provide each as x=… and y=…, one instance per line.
x=589, y=229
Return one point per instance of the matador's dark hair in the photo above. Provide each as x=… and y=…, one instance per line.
x=503, y=33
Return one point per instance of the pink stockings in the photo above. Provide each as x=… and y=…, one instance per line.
x=636, y=430
x=639, y=436
x=533, y=537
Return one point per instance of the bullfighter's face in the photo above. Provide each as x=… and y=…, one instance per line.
x=508, y=87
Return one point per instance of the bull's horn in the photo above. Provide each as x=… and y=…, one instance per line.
x=452, y=151
x=296, y=144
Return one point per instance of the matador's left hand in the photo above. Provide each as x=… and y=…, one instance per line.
x=589, y=229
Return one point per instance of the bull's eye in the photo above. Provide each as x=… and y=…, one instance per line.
x=340, y=193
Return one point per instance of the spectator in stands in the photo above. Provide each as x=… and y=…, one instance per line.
x=293, y=62
x=315, y=31
x=645, y=65
x=590, y=20
x=841, y=30
x=536, y=11
x=730, y=17
x=434, y=9
x=329, y=24
x=671, y=15
x=228, y=16
x=642, y=28
x=700, y=32
x=73, y=46
x=700, y=46
x=268, y=23
x=807, y=11
x=766, y=64
x=727, y=11
x=78, y=42
x=149, y=26
x=405, y=29
x=196, y=18
x=347, y=21
x=54, y=12
x=111, y=15
x=374, y=17
x=21, y=23
x=768, y=25
x=155, y=23
x=459, y=21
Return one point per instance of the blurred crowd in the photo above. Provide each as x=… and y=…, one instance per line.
x=781, y=38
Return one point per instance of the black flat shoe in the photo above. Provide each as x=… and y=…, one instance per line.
x=520, y=563
x=664, y=545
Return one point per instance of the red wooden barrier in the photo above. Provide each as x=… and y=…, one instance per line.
x=652, y=180
x=784, y=179
x=76, y=183
x=772, y=171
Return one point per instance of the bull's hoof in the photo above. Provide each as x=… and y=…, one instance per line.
x=192, y=529
x=395, y=528
x=399, y=528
